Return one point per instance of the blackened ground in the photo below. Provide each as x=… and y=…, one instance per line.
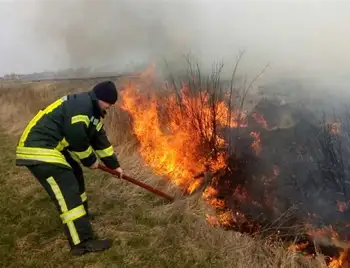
x=298, y=178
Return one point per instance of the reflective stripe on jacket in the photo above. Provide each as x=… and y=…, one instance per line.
x=72, y=123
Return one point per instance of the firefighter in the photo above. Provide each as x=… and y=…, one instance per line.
x=57, y=141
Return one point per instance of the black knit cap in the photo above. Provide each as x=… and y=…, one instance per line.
x=106, y=91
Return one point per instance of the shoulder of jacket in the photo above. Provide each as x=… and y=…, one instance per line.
x=80, y=102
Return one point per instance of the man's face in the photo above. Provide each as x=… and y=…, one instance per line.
x=104, y=105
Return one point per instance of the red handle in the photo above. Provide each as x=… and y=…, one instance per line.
x=132, y=180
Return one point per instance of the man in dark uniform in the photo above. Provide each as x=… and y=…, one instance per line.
x=61, y=137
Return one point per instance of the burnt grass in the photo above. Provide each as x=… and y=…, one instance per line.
x=299, y=177
x=312, y=177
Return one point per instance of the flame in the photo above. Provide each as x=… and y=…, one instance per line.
x=172, y=133
x=342, y=206
x=331, y=237
x=256, y=145
x=298, y=247
x=259, y=118
x=341, y=262
x=209, y=195
x=178, y=140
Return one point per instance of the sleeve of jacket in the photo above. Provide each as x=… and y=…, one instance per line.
x=77, y=122
x=103, y=148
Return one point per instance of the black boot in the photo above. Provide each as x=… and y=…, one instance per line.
x=91, y=246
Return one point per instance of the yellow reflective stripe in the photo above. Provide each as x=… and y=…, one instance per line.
x=81, y=118
x=62, y=144
x=62, y=203
x=45, y=159
x=39, y=151
x=41, y=154
x=58, y=194
x=36, y=118
x=83, y=197
x=106, y=152
x=73, y=233
x=99, y=126
x=84, y=154
x=73, y=214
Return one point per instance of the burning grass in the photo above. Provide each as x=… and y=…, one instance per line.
x=197, y=137
x=257, y=189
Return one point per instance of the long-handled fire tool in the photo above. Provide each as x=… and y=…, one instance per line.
x=132, y=180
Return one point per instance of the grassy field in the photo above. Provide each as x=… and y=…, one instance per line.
x=147, y=231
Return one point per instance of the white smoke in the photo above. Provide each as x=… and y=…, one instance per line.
x=297, y=38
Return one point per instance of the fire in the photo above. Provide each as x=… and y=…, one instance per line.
x=177, y=139
x=298, y=247
x=341, y=262
x=342, y=206
x=256, y=145
x=259, y=118
x=331, y=237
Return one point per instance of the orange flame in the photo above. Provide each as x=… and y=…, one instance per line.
x=256, y=145
x=259, y=118
x=341, y=262
x=342, y=206
x=298, y=247
x=173, y=139
x=171, y=134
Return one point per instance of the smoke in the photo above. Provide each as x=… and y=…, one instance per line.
x=298, y=39
x=117, y=34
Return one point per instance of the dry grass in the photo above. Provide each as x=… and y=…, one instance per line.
x=148, y=232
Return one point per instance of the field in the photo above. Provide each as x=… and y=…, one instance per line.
x=147, y=231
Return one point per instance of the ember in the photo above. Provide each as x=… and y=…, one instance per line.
x=273, y=170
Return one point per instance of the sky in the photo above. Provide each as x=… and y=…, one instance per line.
x=295, y=37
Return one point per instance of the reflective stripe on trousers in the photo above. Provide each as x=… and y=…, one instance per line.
x=67, y=216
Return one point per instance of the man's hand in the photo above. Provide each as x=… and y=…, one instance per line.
x=119, y=169
x=94, y=165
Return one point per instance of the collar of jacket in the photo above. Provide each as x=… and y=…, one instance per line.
x=97, y=109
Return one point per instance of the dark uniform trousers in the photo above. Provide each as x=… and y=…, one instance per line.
x=66, y=188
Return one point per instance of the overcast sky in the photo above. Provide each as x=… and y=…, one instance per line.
x=294, y=36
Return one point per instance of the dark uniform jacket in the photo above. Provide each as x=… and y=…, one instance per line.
x=71, y=124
